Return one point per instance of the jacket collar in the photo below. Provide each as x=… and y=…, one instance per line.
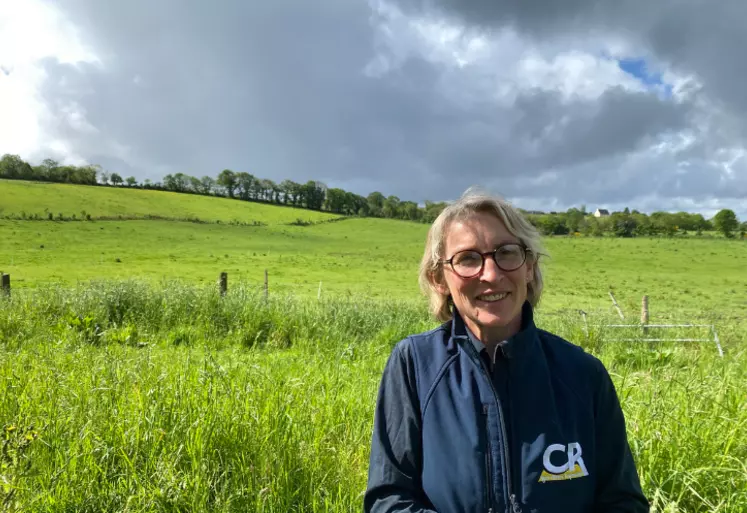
x=517, y=347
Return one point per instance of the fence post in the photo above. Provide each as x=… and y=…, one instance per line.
x=644, y=313
x=223, y=283
x=5, y=284
x=266, y=286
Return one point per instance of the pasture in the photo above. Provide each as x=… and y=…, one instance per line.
x=129, y=384
x=373, y=258
x=42, y=199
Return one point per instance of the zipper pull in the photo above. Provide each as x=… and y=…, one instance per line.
x=515, y=504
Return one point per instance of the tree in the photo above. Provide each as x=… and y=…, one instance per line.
x=664, y=222
x=86, y=175
x=336, y=200
x=726, y=222
x=12, y=166
x=208, y=184
x=104, y=177
x=116, y=179
x=48, y=169
x=313, y=194
x=227, y=179
x=245, y=184
x=376, y=203
x=296, y=191
x=131, y=181
x=574, y=219
x=623, y=225
x=169, y=182
x=552, y=224
x=409, y=210
x=391, y=208
x=195, y=184
x=289, y=189
x=263, y=188
x=269, y=189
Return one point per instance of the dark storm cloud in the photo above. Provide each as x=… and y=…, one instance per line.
x=281, y=89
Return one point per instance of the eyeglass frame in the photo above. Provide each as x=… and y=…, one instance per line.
x=525, y=251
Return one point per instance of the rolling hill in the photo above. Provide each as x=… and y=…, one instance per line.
x=40, y=198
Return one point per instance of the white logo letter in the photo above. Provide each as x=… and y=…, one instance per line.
x=574, y=456
x=546, y=459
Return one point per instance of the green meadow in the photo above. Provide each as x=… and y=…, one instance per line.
x=128, y=383
x=42, y=199
x=370, y=257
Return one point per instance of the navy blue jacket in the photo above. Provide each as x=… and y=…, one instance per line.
x=442, y=441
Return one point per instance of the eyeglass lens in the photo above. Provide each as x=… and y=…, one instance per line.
x=508, y=257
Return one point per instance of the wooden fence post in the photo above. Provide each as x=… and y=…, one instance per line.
x=267, y=290
x=5, y=284
x=644, y=313
x=223, y=283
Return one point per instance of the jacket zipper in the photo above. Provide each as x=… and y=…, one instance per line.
x=511, y=496
x=488, y=469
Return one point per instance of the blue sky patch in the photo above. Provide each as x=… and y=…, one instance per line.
x=638, y=69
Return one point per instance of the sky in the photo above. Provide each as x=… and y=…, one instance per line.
x=552, y=105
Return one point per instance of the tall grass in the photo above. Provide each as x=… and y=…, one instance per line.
x=131, y=397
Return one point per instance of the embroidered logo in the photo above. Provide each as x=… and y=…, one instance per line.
x=573, y=469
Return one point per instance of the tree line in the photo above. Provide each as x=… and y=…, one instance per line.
x=636, y=224
x=315, y=195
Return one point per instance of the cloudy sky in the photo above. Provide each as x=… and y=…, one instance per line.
x=551, y=104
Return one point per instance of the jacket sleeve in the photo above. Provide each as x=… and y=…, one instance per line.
x=394, y=483
x=618, y=486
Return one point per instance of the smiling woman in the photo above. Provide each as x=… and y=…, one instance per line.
x=489, y=412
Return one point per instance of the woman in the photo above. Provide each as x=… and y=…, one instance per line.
x=488, y=413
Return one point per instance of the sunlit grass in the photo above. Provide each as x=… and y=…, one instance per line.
x=173, y=398
x=684, y=278
x=69, y=200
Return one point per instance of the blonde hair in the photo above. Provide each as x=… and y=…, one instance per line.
x=474, y=201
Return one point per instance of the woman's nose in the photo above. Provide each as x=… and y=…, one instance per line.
x=490, y=270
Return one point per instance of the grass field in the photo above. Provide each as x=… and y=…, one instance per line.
x=128, y=384
x=371, y=257
x=42, y=198
x=130, y=397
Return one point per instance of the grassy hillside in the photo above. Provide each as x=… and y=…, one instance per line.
x=371, y=257
x=41, y=198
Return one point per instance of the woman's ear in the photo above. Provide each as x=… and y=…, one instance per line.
x=530, y=270
x=442, y=289
x=438, y=284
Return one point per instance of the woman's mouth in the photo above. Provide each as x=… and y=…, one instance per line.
x=491, y=298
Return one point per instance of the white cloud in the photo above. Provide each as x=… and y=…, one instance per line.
x=575, y=74
x=31, y=31
x=507, y=62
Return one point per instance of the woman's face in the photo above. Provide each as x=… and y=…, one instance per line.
x=491, y=301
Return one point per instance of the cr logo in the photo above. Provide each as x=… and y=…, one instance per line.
x=575, y=464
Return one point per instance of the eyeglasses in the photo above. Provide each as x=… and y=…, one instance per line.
x=470, y=263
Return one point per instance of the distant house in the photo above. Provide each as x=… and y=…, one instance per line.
x=601, y=212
